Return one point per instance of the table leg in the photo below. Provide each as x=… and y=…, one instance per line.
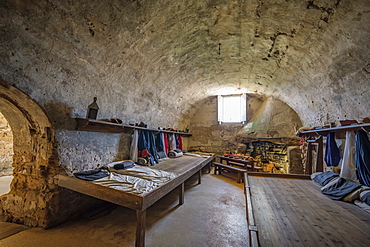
x=140, y=228
x=200, y=176
x=181, y=193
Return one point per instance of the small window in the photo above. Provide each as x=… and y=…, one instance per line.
x=232, y=108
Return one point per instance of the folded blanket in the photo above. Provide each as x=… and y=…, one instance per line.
x=91, y=175
x=324, y=177
x=124, y=165
x=365, y=197
x=119, y=165
x=175, y=153
x=339, y=189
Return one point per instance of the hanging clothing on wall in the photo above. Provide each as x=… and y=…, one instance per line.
x=180, y=142
x=173, y=143
x=160, y=146
x=134, y=148
x=332, y=153
x=348, y=166
x=152, y=147
x=147, y=147
x=177, y=140
x=159, y=142
x=166, y=145
x=363, y=157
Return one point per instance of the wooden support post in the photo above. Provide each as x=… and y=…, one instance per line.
x=308, y=169
x=320, y=155
x=200, y=176
x=181, y=193
x=140, y=228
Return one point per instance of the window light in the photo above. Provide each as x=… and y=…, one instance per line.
x=232, y=108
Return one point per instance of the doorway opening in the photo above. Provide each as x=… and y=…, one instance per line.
x=6, y=155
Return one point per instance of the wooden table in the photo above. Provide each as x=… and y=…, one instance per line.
x=184, y=167
x=246, y=164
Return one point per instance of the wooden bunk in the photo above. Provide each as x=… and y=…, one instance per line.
x=292, y=211
x=184, y=167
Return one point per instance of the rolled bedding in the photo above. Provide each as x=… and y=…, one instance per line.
x=323, y=178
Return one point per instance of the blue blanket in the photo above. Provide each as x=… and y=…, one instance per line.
x=325, y=177
x=339, y=189
x=91, y=175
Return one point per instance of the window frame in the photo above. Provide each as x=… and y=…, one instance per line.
x=221, y=108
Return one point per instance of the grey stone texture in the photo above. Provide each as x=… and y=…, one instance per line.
x=162, y=62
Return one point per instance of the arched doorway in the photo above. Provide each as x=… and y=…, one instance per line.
x=6, y=155
x=32, y=191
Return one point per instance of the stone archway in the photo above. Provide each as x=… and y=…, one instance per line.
x=35, y=161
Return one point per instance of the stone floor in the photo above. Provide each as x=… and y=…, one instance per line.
x=213, y=215
x=5, y=184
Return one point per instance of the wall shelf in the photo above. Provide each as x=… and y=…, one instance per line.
x=325, y=131
x=84, y=124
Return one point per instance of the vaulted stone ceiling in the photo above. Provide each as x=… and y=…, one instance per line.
x=164, y=57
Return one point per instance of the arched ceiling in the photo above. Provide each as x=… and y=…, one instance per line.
x=140, y=57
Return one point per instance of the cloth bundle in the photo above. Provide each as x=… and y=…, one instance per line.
x=323, y=178
x=91, y=175
x=175, y=153
x=338, y=188
x=121, y=165
x=124, y=165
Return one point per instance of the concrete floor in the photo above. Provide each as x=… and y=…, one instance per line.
x=213, y=215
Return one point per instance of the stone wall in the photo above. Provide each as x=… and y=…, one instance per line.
x=268, y=119
x=209, y=135
x=6, y=147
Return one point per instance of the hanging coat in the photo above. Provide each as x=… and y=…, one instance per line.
x=180, y=142
x=147, y=147
x=348, y=167
x=152, y=147
x=159, y=142
x=166, y=145
x=177, y=140
x=332, y=153
x=363, y=157
x=172, y=141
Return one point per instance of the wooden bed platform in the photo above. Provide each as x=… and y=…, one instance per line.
x=293, y=212
x=184, y=167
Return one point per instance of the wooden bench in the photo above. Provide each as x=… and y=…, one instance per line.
x=220, y=167
x=246, y=164
x=249, y=167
